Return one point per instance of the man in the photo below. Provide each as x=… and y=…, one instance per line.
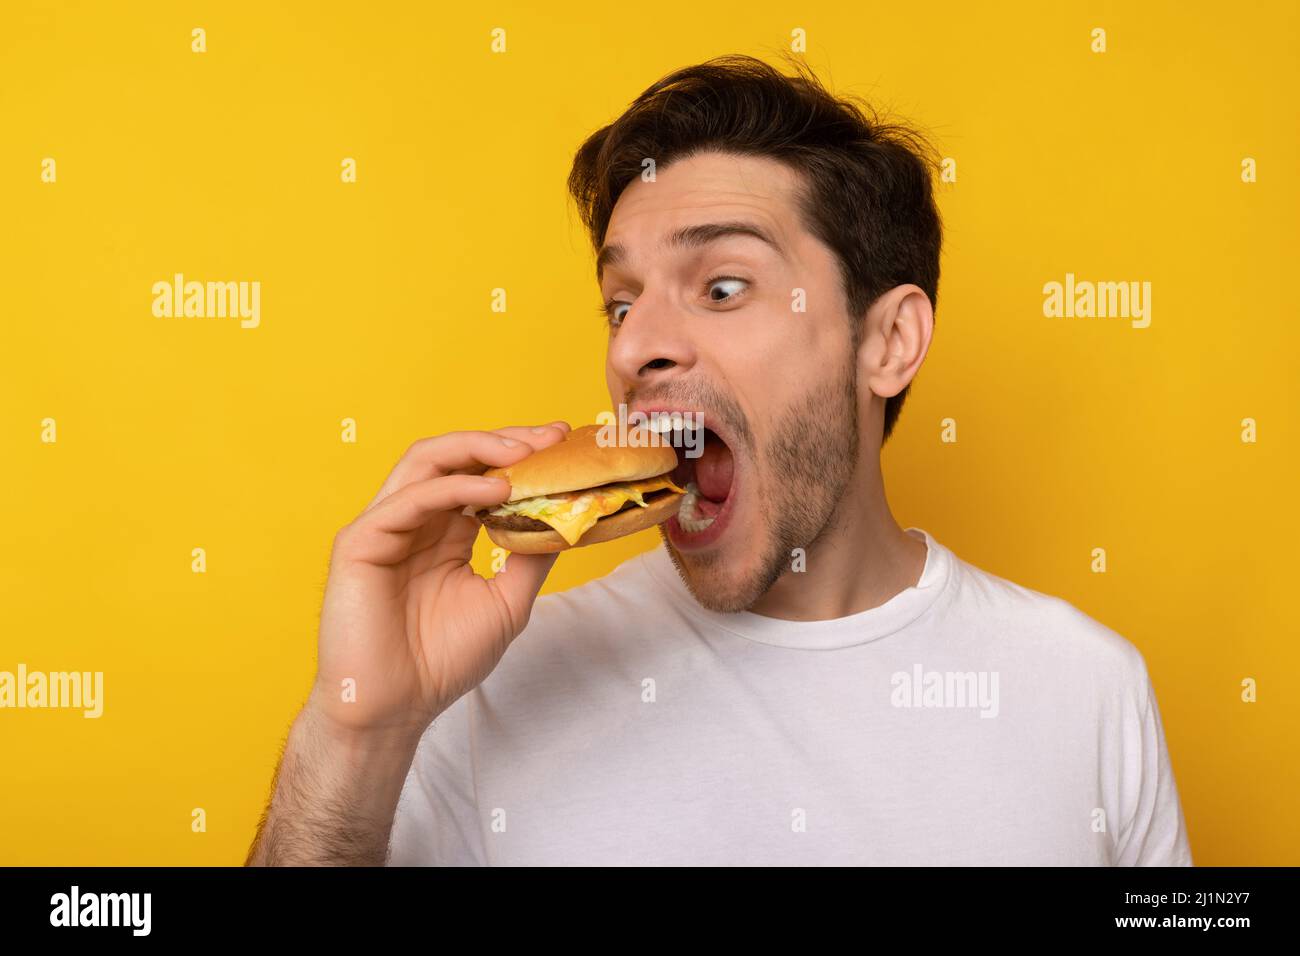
x=791, y=678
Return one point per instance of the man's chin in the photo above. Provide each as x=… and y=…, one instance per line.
x=716, y=580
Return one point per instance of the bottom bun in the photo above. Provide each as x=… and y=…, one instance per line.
x=606, y=529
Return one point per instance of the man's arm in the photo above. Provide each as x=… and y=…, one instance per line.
x=334, y=796
x=1157, y=832
x=407, y=628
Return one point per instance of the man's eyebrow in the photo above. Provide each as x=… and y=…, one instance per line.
x=692, y=236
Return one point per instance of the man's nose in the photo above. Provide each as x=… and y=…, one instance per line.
x=653, y=343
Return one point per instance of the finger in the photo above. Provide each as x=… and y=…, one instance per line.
x=409, y=508
x=518, y=582
x=469, y=451
x=536, y=436
x=408, y=520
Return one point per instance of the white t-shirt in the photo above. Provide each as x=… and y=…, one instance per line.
x=966, y=721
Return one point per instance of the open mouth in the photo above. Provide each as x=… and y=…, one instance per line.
x=710, y=483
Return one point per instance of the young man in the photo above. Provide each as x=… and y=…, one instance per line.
x=793, y=680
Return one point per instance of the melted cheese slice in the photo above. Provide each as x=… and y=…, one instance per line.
x=573, y=513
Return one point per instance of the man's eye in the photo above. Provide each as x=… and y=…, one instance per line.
x=615, y=312
x=726, y=288
x=618, y=311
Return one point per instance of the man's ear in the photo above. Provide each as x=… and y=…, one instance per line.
x=895, y=340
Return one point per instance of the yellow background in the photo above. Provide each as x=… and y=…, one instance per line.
x=183, y=433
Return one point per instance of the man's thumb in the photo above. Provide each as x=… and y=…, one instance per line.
x=518, y=582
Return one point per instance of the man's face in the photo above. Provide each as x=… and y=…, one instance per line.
x=754, y=335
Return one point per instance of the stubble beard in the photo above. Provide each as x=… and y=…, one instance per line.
x=804, y=471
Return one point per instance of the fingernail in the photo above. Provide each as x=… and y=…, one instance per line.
x=539, y=430
x=509, y=442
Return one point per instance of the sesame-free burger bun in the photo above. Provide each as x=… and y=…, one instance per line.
x=579, y=462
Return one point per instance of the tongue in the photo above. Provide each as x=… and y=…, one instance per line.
x=713, y=470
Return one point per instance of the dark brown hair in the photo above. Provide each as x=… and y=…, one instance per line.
x=867, y=182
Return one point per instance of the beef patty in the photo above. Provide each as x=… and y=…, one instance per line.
x=524, y=523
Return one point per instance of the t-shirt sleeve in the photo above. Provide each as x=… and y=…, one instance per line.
x=437, y=819
x=1154, y=832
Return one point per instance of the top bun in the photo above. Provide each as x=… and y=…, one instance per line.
x=579, y=462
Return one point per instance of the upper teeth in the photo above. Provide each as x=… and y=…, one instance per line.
x=661, y=422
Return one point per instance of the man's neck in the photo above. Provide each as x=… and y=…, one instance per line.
x=858, y=563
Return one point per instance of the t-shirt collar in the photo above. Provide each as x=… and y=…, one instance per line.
x=865, y=626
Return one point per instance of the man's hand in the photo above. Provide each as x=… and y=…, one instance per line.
x=407, y=627
x=405, y=616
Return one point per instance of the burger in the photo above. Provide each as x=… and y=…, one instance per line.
x=582, y=492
